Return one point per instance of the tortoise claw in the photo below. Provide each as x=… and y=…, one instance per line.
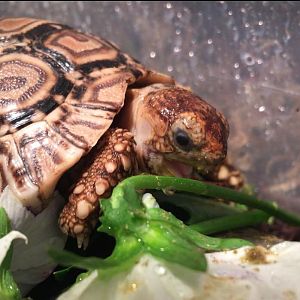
x=82, y=240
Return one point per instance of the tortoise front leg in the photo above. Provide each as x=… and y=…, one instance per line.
x=227, y=175
x=112, y=160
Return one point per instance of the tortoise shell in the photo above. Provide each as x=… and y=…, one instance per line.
x=60, y=90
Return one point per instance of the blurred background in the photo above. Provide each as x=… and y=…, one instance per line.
x=242, y=57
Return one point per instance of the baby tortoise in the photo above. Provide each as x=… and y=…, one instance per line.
x=68, y=97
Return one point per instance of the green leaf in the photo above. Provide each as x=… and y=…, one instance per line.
x=126, y=252
x=213, y=191
x=61, y=275
x=8, y=288
x=163, y=241
x=4, y=223
x=140, y=230
x=159, y=232
x=66, y=258
x=230, y=222
x=199, y=208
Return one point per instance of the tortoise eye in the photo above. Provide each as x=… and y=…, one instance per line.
x=182, y=140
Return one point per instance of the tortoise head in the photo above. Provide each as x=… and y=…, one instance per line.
x=176, y=131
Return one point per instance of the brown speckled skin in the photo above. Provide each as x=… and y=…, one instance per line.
x=177, y=107
x=157, y=112
x=112, y=160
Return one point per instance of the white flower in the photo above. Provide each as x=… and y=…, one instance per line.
x=6, y=241
x=31, y=263
x=231, y=275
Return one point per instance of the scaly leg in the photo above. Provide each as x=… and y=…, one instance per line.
x=112, y=160
x=227, y=175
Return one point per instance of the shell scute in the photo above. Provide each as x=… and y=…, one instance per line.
x=80, y=48
x=60, y=90
x=46, y=155
x=9, y=27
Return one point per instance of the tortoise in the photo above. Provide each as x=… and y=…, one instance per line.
x=73, y=101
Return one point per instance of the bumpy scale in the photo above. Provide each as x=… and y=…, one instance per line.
x=112, y=160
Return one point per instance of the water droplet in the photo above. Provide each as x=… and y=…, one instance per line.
x=169, y=191
x=284, y=55
x=117, y=9
x=243, y=10
x=178, y=31
x=170, y=68
x=247, y=25
x=152, y=54
x=281, y=108
x=230, y=12
x=191, y=54
x=176, y=49
x=247, y=59
x=162, y=249
x=201, y=77
x=160, y=270
x=236, y=65
x=237, y=76
x=179, y=15
x=209, y=41
x=268, y=132
x=168, y=5
x=260, y=23
x=261, y=108
x=139, y=240
x=259, y=61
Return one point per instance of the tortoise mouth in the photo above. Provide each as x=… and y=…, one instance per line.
x=178, y=169
x=186, y=169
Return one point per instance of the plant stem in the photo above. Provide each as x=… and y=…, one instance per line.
x=205, y=189
x=221, y=224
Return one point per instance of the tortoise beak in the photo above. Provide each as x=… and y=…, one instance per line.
x=193, y=169
x=178, y=169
